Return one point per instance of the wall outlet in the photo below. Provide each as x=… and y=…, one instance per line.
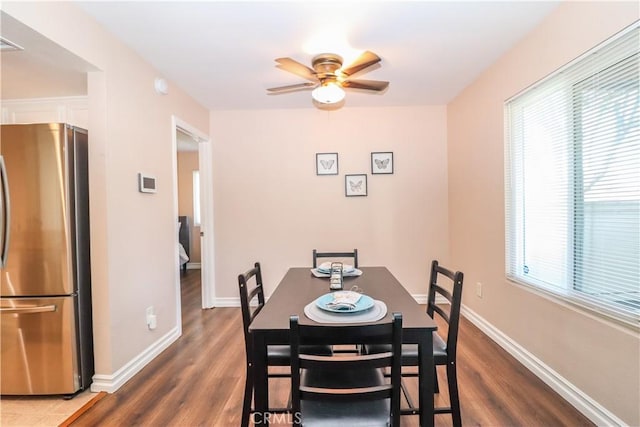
x=152, y=322
x=151, y=318
x=479, y=289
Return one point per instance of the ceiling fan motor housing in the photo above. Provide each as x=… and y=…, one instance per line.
x=326, y=64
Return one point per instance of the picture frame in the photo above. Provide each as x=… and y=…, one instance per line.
x=326, y=163
x=382, y=162
x=355, y=185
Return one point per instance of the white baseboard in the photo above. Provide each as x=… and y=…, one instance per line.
x=424, y=298
x=227, y=302
x=193, y=266
x=572, y=394
x=420, y=298
x=111, y=383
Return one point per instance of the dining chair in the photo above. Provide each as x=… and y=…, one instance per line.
x=353, y=255
x=347, y=390
x=251, y=288
x=444, y=349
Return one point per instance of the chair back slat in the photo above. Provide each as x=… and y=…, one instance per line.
x=445, y=272
x=256, y=291
x=317, y=255
x=316, y=334
x=444, y=314
x=345, y=394
x=368, y=361
x=442, y=291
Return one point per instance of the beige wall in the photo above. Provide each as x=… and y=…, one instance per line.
x=599, y=358
x=270, y=206
x=134, y=258
x=187, y=163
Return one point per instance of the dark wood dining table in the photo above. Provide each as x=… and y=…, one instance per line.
x=299, y=287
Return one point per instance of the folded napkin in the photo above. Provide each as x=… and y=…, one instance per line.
x=344, y=300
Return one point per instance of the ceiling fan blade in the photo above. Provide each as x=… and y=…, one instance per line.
x=376, y=85
x=365, y=60
x=297, y=68
x=291, y=88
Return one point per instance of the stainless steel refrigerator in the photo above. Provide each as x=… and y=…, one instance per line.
x=47, y=343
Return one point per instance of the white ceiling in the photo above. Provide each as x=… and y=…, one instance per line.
x=222, y=53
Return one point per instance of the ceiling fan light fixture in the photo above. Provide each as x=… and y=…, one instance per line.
x=330, y=93
x=328, y=78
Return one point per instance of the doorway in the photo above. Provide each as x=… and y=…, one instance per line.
x=192, y=148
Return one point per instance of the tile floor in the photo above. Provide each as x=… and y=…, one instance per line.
x=40, y=411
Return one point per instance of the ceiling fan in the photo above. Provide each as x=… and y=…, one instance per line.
x=328, y=77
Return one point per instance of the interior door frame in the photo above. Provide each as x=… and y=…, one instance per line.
x=207, y=263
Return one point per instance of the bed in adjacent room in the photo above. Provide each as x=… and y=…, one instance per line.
x=184, y=241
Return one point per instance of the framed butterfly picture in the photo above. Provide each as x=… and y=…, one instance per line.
x=355, y=185
x=382, y=162
x=326, y=163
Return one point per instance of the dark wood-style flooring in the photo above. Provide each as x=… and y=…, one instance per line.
x=199, y=380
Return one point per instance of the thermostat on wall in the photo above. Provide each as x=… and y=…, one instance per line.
x=146, y=183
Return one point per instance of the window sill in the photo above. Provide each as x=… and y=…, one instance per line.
x=627, y=323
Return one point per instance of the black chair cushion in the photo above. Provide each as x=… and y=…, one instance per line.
x=280, y=355
x=351, y=414
x=410, y=351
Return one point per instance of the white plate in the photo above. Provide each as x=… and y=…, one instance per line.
x=353, y=273
x=315, y=313
x=325, y=267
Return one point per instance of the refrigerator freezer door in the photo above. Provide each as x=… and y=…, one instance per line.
x=39, y=258
x=39, y=350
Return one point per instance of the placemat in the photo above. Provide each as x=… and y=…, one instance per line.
x=315, y=313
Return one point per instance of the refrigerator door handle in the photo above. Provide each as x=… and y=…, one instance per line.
x=5, y=212
x=28, y=309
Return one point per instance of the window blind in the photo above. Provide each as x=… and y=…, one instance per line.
x=572, y=159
